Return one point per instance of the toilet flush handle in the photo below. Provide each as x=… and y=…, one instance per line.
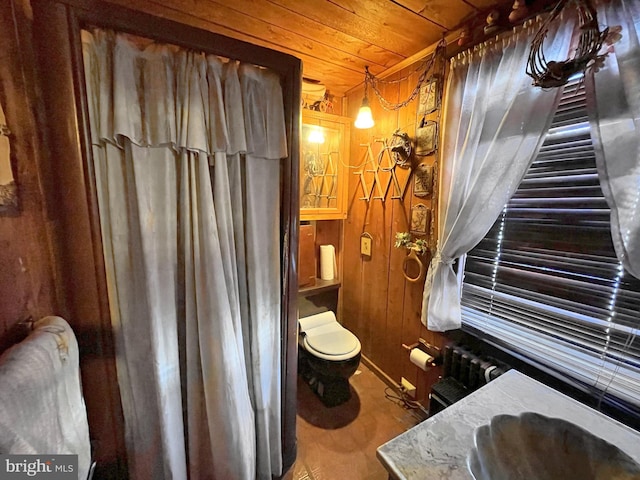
x=412, y=257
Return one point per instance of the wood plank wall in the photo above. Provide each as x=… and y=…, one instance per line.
x=378, y=304
x=27, y=285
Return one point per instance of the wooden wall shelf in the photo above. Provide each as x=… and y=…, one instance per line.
x=321, y=286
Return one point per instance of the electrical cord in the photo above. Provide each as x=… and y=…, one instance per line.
x=403, y=400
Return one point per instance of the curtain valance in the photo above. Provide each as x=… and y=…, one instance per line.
x=182, y=98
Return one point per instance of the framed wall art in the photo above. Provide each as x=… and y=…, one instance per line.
x=423, y=180
x=420, y=219
x=426, y=137
x=428, y=99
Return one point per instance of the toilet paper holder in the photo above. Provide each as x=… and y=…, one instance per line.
x=426, y=347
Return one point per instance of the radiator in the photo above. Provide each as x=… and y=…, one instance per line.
x=463, y=372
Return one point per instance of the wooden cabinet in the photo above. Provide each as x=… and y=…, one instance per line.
x=324, y=171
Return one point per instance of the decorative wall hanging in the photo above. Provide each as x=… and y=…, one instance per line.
x=416, y=249
x=420, y=219
x=372, y=166
x=8, y=188
x=426, y=137
x=556, y=73
x=401, y=149
x=386, y=167
x=376, y=164
x=404, y=240
x=423, y=180
x=428, y=100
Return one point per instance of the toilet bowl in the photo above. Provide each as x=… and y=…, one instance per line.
x=328, y=355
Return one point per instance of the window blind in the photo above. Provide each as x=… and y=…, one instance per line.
x=545, y=283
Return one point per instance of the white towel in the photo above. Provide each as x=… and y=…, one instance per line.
x=42, y=410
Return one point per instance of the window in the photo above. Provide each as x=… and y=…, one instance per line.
x=545, y=283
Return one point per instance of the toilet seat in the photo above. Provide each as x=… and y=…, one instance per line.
x=323, y=337
x=331, y=342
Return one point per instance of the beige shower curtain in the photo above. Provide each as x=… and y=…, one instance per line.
x=186, y=154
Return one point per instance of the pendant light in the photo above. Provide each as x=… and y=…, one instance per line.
x=435, y=65
x=365, y=118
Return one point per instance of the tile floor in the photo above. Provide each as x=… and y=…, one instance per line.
x=340, y=443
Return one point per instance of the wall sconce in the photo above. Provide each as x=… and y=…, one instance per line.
x=365, y=118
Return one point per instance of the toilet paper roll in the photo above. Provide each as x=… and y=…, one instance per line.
x=327, y=262
x=420, y=358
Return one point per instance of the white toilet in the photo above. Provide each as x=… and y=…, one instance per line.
x=328, y=355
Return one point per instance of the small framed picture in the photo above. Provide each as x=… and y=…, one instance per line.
x=426, y=137
x=420, y=219
x=428, y=99
x=423, y=180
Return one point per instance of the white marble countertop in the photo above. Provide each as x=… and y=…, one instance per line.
x=437, y=448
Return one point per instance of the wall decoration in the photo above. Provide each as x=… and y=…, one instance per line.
x=420, y=219
x=423, y=180
x=401, y=148
x=428, y=100
x=383, y=163
x=587, y=56
x=426, y=137
x=8, y=188
x=316, y=97
x=416, y=249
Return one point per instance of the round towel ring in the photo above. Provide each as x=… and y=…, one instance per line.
x=413, y=256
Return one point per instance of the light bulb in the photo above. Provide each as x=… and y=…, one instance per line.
x=316, y=136
x=365, y=118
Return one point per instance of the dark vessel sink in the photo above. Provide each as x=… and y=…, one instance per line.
x=534, y=447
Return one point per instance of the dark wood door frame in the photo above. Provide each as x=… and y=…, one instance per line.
x=72, y=204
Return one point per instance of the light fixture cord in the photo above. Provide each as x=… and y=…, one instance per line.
x=366, y=83
x=428, y=67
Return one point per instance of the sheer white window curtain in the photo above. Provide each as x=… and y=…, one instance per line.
x=615, y=119
x=494, y=124
x=186, y=152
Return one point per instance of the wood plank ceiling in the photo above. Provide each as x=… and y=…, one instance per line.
x=335, y=39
